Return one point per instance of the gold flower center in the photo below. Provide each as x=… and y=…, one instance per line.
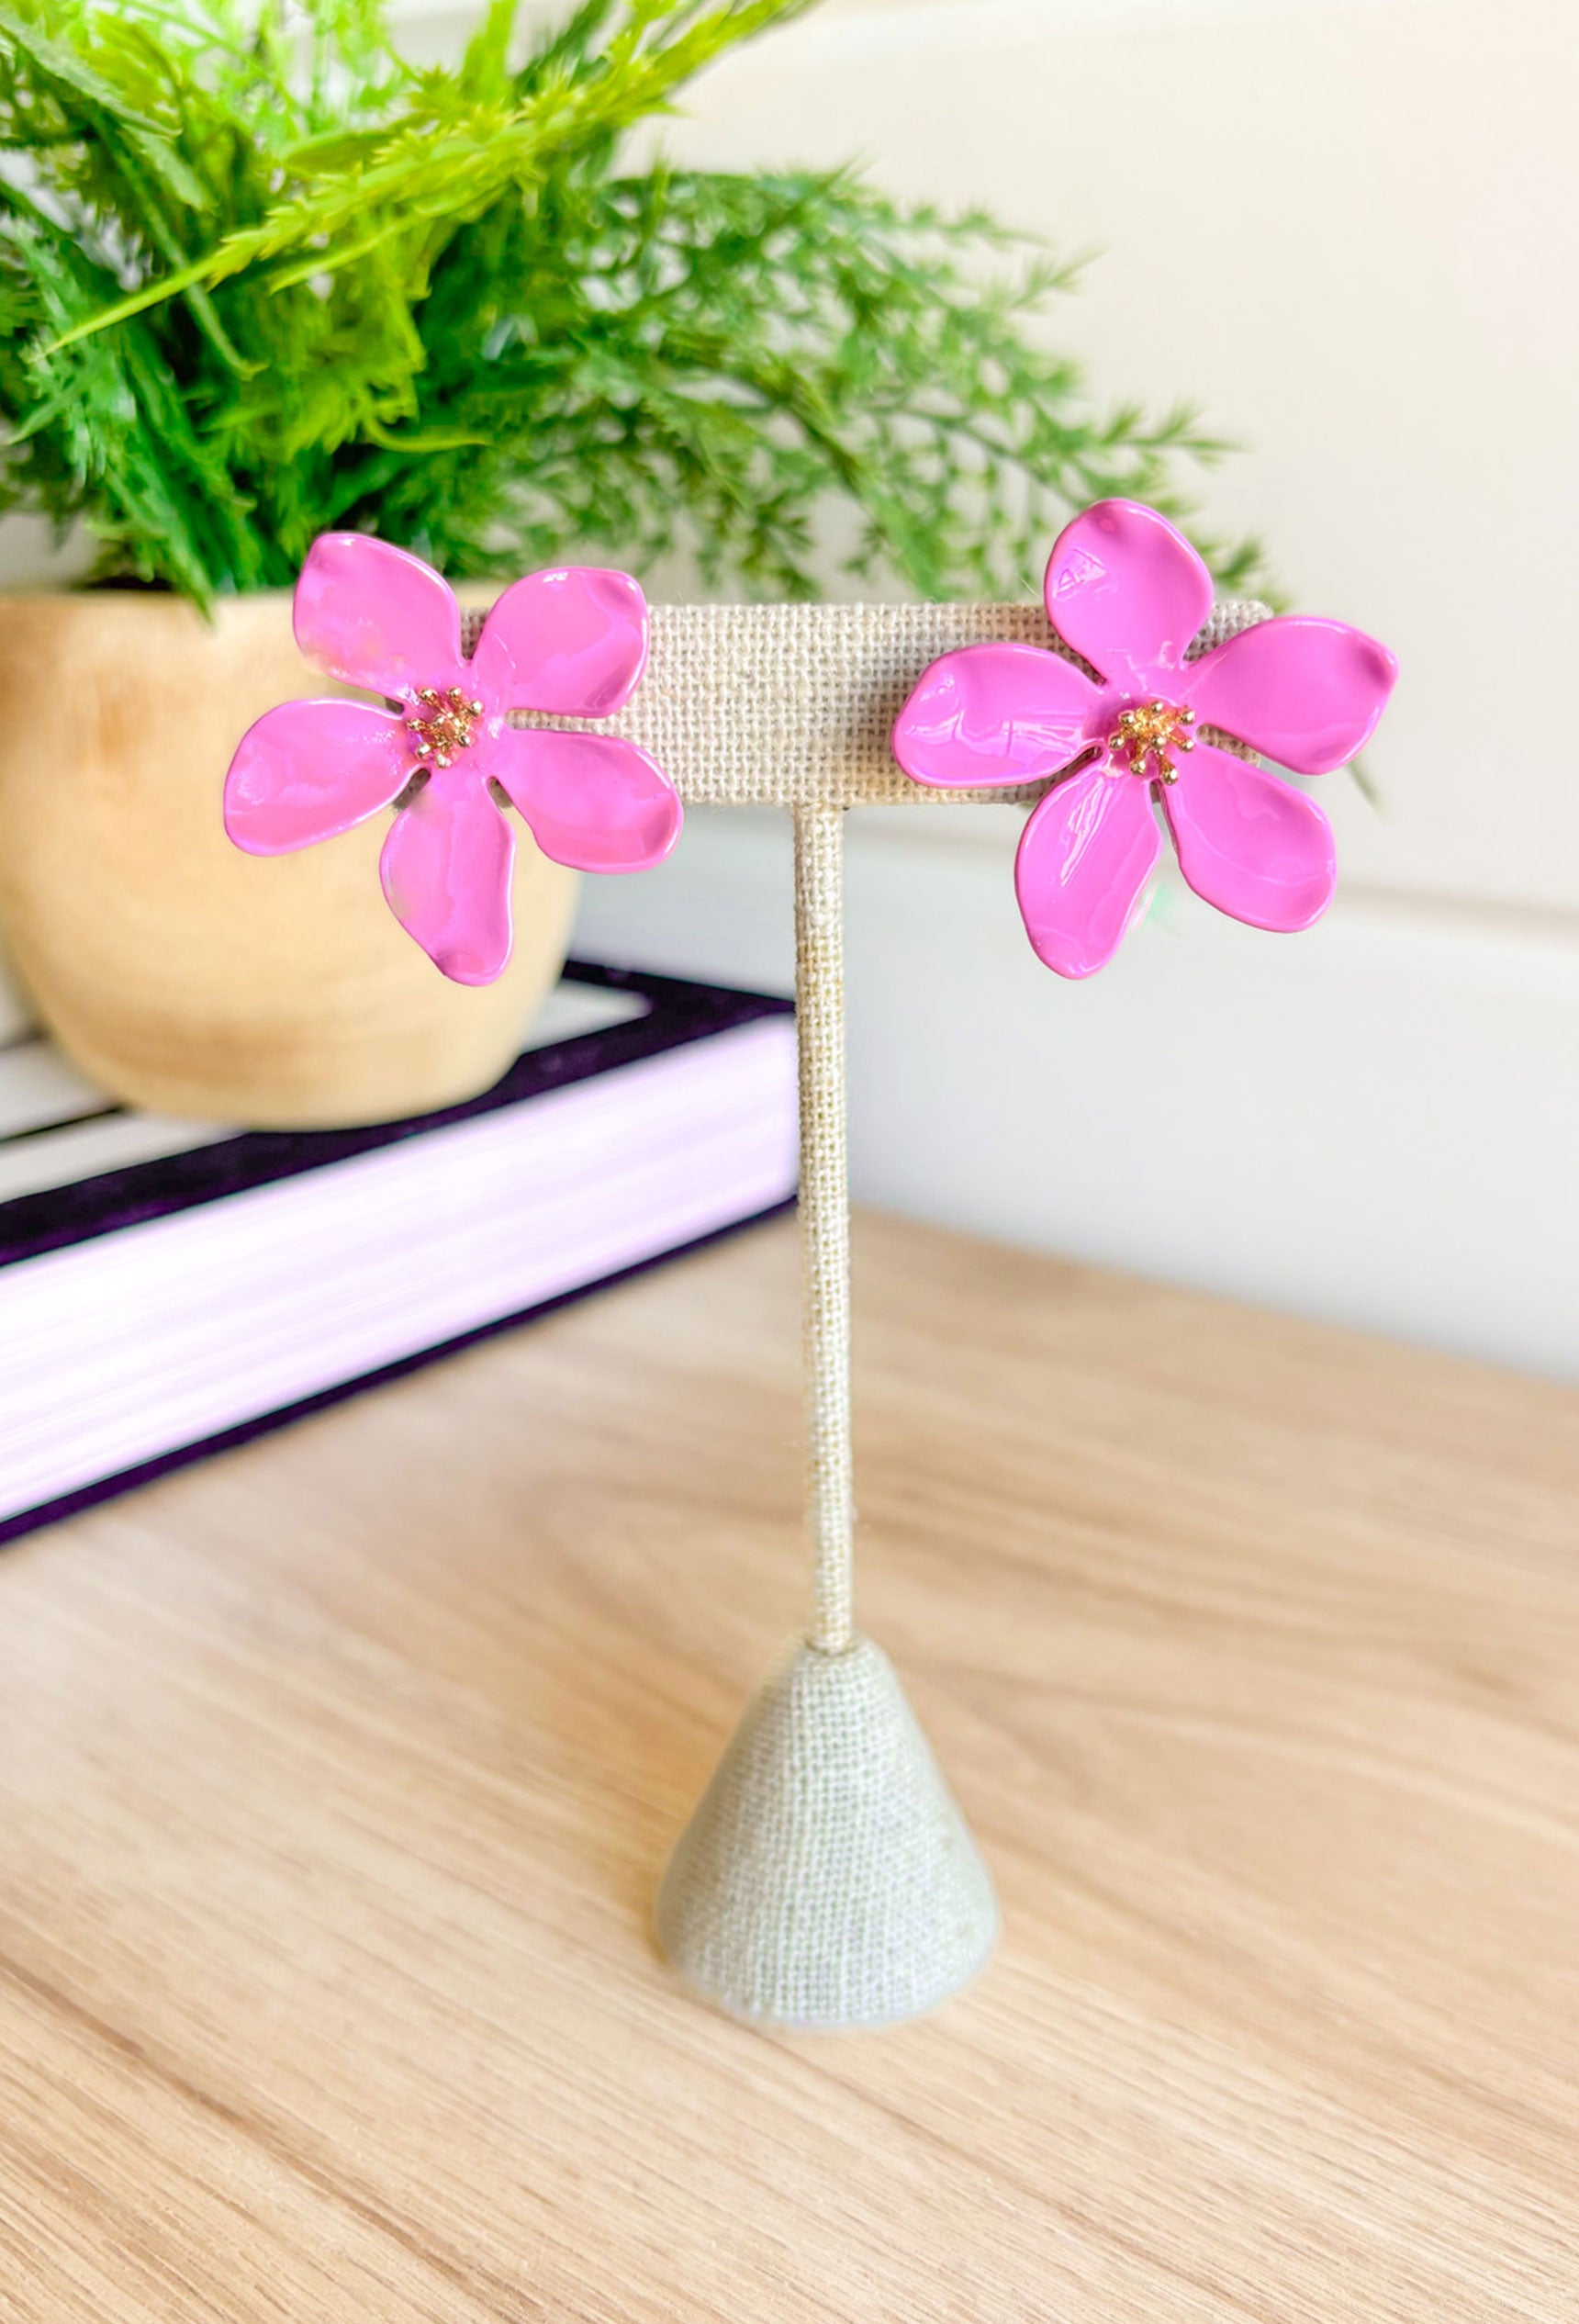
x=443, y=725
x=1150, y=730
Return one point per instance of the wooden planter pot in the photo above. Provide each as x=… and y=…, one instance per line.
x=184, y=976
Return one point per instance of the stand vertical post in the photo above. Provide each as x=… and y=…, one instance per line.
x=827, y=1877
x=824, y=1210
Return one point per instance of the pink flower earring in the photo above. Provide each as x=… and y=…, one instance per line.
x=1131, y=721
x=567, y=644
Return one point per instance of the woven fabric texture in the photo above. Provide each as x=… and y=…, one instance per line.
x=793, y=705
x=824, y=1211
x=827, y=1878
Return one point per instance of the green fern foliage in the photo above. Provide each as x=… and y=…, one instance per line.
x=259, y=276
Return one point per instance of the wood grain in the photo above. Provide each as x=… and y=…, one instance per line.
x=336, y=1776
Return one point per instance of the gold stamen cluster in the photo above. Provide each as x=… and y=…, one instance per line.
x=446, y=728
x=1150, y=730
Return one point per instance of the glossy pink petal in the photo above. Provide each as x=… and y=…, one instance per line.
x=1085, y=855
x=571, y=644
x=375, y=616
x=309, y=771
x=592, y=800
x=1125, y=589
x=1306, y=691
x=1250, y=843
x=445, y=870
x=991, y=716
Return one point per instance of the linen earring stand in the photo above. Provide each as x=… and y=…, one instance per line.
x=827, y=1878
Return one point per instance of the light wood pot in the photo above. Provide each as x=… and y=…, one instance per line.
x=181, y=975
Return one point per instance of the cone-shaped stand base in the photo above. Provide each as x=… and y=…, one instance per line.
x=827, y=1878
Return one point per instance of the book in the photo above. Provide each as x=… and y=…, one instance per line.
x=170, y=1288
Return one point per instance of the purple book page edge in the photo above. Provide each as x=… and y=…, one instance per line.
x=681, y=1011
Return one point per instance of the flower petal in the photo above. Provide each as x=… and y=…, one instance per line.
x=1308, y=692
x=592, y=800
x=991, y=716
x=309, y=771
x=445, y=870
x=376, y=616
x=1125, y=589
x=1084, y=858
x=571, y=644
x=1250, y=843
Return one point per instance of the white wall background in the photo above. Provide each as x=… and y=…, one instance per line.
x=1350, y=231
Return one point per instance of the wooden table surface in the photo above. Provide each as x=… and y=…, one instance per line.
x=336, y=1776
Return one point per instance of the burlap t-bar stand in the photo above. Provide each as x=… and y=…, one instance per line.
x=827, y=1878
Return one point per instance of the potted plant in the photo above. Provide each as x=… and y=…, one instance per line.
x=263, y=278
